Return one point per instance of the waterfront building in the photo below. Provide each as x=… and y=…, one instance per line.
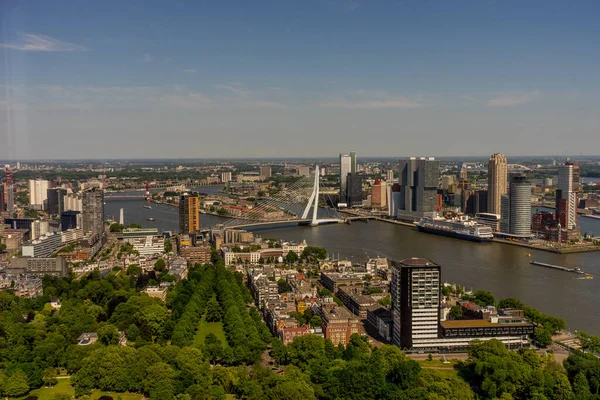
x=419, y=181
x=122, y=216
x=56, y=200
x=497, y=182
x=38, y=193
x=354, y=195
x=345, y=169
x=265, y=173
x=189, y=213
x=416, y=301
x=379, y=194
x=225, y=177
x=516, y=208
x=93, y=211
x=474, y=201
x=566, y=195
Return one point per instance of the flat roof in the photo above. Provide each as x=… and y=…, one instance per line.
x=418, y=262
x=476, y=323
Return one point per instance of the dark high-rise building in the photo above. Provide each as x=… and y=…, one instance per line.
x=2, y=200
x=93, y=210
x=416, y=302
x=475, y=201
x=189, y=213
x=354, y=190
x=419, y=181
x=68, y=220
x=56, y=200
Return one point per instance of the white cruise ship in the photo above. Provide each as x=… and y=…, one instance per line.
x=460, y=227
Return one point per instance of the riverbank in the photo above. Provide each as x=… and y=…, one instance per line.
x=391, y=221
x=549, y=248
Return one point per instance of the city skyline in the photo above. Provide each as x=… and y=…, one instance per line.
x=289, y=80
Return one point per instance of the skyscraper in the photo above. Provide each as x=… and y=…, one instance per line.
x=379, y=194
x=566, y=195
x=93, y=210
x=353, y=169
x=56, y=200
x=68, y=220
x=389, y=176
x=497, y=182
x=38, y=192
x=354, y=190
x=345, y=169
x=189, y=213
x=2, y=202
x=122, y=216
x=416, y=299
x=516, y=208
x=419, y=181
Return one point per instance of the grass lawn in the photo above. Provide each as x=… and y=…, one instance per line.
x=204, y=328
x=446, y=370
x=64, y=386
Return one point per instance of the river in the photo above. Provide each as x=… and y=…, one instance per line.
x=502, y=269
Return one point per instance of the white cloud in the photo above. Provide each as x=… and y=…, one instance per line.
x=132, y=97
x=362, y=99
x=513, y=98
x=32, y=42
x=235, y=88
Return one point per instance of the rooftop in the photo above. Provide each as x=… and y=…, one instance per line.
x=475, y=323
x=417, y=262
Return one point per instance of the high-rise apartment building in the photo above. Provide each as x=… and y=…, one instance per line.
x=93, y=210
x=389, y=176
x=354, y=190
x=38, y=193
x=497, y=182
x=304, y=171
x=345, y=169
x=516, y=208
x=189, y=213
x=566, y=195
x=353, y=169
x=265, y=173
x=225, y=177
x=419, y=181
x=56, y=200
x=69, y=220
x=2, y=202
x=416, y=302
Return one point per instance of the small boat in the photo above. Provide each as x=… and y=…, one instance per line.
x=150, y=219
x=527, y=254
x=148, y=207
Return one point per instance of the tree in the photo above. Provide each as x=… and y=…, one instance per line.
x=168, y=246
x=160, y=265
x=108, y=335
x=283, y=286
x=291, y=257
x=510, y=303
x=316, y=321
x=135, y=226
x=49, y=377
x=116, y=227
x=16, y=385
x=133, y=270
x=213, y=311
x=212, y=348
x=446, y=290
x=456, y=312
x=581, y=387
x=385, y=301
x=542, y=336
x=484, y=298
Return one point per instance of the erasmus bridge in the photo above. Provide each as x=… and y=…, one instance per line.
x=293, y=204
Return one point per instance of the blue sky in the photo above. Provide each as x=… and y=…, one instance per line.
x=298, y=78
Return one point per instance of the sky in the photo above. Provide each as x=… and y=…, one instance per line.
x=298, y=78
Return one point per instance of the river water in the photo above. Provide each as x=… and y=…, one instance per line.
x=502, y=269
